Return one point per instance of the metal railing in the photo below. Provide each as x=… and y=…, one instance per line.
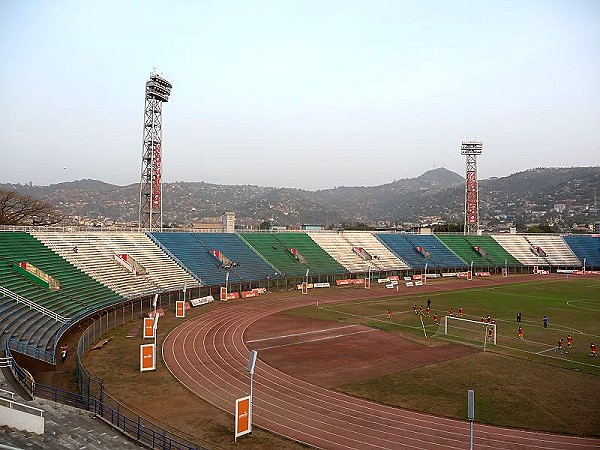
x=121, y=417
x=11, y=404
x=23, y=377
x=33, y=305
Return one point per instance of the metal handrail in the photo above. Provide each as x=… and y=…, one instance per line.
x=33, y=305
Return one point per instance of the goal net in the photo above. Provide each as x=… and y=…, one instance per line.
x=468, y=331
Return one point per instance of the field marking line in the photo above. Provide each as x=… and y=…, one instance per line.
x=569, y=302
x=317, y=340
x=552, y=356
x=479, y=346
x=301, y=334
x=371, y=318
x=544, y=351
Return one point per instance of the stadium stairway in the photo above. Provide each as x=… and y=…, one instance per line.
x=66, y=428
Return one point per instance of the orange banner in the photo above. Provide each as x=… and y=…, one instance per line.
x=179, y=308
x=247, y=294
x=148, y=327
x=243, y=422
x=147, y=359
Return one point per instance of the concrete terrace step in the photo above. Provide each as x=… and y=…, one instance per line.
x=66, y=428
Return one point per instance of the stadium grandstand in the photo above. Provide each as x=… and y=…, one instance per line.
x=51, y=281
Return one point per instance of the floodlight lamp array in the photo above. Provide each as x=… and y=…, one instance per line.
x=158, y=88
x=471, y=148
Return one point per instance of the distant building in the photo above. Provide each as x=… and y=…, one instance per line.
x=421, y=230
x=312, y=227
x=559, y=207
x=229, y=222
x=207, y=227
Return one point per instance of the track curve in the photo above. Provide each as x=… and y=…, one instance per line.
x=209, y=356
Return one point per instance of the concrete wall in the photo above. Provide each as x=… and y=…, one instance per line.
x=12, y=415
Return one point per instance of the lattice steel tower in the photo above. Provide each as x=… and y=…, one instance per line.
x=157, y=92
x=471, y=149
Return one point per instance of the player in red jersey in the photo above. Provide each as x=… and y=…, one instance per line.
x=520, y=333
x=460, y=311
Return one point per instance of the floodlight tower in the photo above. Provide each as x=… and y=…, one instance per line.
x=157, y=91
x=471, y=149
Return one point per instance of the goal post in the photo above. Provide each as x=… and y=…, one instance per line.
x=469, y=330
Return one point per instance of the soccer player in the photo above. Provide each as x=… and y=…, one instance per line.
x=482, y=319
x=520, y=333
x=429, y=303
x=490, y=333
x=460, y=311
x=428, y=311
x=593, y=350
x=559, y=347
x=389, y=314
x=545, y=322
x=519, y=317
x=415, y=309
x=435, y=318
x=452, y=311
x=489, y=319
x=421, y=310
x=569, y=341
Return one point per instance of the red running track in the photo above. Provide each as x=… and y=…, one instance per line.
x=208, y=355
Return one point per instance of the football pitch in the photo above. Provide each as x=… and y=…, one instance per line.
x=518, y=382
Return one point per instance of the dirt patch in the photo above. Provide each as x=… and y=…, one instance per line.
x=329, y=354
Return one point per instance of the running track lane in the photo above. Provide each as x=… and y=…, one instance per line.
x=208, y=355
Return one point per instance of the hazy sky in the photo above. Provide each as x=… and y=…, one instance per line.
x=309, y=94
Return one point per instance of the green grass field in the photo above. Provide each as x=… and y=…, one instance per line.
x=521, y=383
